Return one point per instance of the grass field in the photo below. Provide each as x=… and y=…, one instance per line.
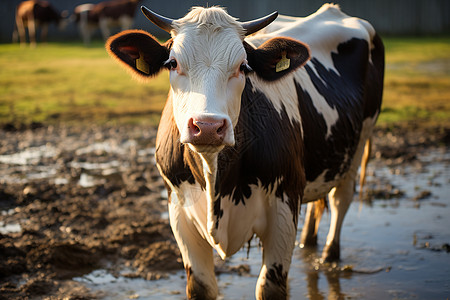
x=70, y=83
x=417, y=81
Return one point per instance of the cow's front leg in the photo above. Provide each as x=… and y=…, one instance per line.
x=278, y=243
x=197, y=256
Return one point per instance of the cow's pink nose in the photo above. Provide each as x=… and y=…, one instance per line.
x=206, y=132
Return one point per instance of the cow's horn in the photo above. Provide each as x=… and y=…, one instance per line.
x=160, y=21
x=255, y=25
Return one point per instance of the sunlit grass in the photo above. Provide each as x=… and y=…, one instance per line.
x=417, y=81
x=67, y=82
x=416, y=50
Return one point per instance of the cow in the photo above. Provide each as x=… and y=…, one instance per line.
x=256, y=124
x=33, y=14
x=104, y=15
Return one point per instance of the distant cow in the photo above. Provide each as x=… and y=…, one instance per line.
x=104, y=15
x=33, y=14
x=255, y=126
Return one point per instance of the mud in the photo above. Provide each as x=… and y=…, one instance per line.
x=83, y=198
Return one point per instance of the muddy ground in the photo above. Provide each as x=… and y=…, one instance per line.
x=76, y=199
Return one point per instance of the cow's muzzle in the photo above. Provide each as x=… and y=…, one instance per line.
x=208, y=133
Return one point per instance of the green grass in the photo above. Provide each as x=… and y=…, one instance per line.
x=67, y=82
x=71, y=83
x=417, y=81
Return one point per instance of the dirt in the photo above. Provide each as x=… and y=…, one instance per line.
x=78, y=199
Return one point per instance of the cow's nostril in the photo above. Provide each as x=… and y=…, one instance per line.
x=221, y=130
x=195, y=129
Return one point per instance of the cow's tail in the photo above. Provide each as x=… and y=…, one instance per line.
x=319, y=208
x=364, y=163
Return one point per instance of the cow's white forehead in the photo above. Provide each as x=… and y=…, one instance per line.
x=215, y=17
x=208, y=37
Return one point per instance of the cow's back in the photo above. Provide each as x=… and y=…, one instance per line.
x=338, y=92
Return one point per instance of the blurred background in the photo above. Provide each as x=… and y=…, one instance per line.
x=390, y=17
x=416, y=34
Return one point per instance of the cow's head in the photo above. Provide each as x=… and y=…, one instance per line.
x=208, y=61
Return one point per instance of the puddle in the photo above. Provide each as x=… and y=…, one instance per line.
x=108, y=146
x=391, y=249
x=48, y=162
x=111, y=287
x=9, y=228
x=29, y=156
x=87, y=180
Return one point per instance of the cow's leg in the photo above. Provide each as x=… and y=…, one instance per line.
x=197, y=256
x=126, y=22
x=84, y=31
x=364, y=163
x=314, y=211
x=32, y=32
x=44, y=32
x=21, y=31
x=104, y=28
x=340, y=199
x=278, y=243
x=308, y=237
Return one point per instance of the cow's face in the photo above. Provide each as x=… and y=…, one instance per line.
x=207, y=64
x=208, y=61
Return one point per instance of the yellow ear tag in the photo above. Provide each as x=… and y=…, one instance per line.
x=142, y=65
x=283, y=64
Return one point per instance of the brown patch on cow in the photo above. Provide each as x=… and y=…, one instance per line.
x=104, y=15
x=113, y=9
x=265, y=58
x=106, y=9
x=177, y=162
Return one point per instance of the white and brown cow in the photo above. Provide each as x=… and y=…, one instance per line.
x=104, y=15
x=33, y=14
x=255, y=126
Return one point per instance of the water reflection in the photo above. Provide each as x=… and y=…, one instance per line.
x=315, y=271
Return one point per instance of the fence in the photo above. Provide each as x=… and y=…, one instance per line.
x=389, y=17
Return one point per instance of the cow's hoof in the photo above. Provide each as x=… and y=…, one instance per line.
x=273, y=285
x=331, y=253
x=308, y=241
x=197, y=290
x=272, y=292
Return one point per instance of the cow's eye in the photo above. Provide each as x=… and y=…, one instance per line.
x=245, y=68
x=171, y=64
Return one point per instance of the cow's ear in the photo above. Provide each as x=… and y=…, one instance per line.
x=139, y=52
x=277, y=57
